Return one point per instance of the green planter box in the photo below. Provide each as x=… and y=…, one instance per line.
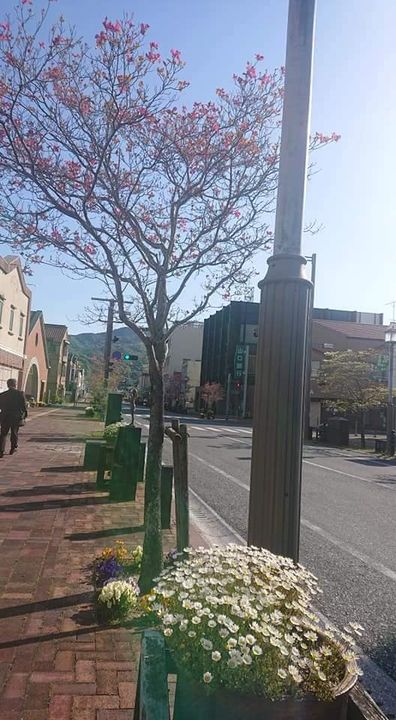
x=92, y=453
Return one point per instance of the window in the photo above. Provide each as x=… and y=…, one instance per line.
x=36, y=340
x=12, y=317
x=1, y=307
x=21, y=318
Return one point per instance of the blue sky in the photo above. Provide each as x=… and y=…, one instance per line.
x=354, y=94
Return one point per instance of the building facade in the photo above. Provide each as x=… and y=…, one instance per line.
x=15, y=299
x=75, y=377
x=36, y=367
x=58, y=349
x=181, y=378
x=230, y=346
x=226, y=332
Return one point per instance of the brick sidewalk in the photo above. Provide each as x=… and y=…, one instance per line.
x=55, y=662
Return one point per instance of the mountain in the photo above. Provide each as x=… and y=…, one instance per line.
x=89, y=345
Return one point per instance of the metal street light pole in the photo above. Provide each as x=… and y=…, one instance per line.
x=275, y=492
x=390, y=339
x=307, y=410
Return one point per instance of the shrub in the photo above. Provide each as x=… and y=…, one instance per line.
x=116, y=562
x=118, y=598
x=111, y=431
x=239, y=618
x=89, y=412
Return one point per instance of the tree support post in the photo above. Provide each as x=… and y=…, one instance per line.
x=179, y=436
x=275, y=491
x=166, y=496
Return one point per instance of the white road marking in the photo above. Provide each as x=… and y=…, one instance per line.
x=355, y=477
x=379, y=567
x=236, y=430
x=220, y=472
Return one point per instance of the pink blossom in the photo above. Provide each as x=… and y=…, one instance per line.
x=85, y=106
x=5, y=33
x=100, y=39
x=54, y=73
x=59, y=40
x=153, y=45
x=236, y=213
x=176, y=56
x=251, y=72
x=143, y=28
x=89, y=249
x=73, y=169
x=264, y=79
x=110, y=26
x=259, y=57
x=153, y=56
x=26, y=2
x=124, y=82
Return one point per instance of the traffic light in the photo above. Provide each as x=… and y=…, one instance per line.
x=128, y=357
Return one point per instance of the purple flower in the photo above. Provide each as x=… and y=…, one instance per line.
x=106, y=570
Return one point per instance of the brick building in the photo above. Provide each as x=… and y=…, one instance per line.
x=36, y=366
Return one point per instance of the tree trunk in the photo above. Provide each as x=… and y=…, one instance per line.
x=152, y=546
x=362, y=433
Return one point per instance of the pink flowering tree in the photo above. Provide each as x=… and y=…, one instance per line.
x=105, y=173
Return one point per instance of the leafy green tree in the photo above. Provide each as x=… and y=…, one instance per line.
x=352, y=382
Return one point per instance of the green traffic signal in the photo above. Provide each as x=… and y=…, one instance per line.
x=128, y=356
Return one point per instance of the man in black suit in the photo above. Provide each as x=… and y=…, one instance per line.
x=13, y=410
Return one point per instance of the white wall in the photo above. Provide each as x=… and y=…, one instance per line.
x=184, y=344
x=12, y=342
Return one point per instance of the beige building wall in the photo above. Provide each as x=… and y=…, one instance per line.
x=185, y=343
x=14, y=314
x=191, y=372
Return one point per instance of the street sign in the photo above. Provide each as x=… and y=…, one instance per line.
x=116, y=355
x=239, y=361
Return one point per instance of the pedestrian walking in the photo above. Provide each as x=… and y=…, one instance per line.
x=13, y=411
x=132, y=396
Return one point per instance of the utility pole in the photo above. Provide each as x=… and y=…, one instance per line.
x=307, y=411
x=109, y=336
x=245, y=381
x=275, y=490
x=228, y=394
x=390, y=340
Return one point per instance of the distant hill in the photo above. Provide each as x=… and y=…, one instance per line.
x=89, y=345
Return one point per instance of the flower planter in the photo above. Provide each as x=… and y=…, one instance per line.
x=193, y=703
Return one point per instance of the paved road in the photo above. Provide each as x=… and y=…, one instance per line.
x=348, y=535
